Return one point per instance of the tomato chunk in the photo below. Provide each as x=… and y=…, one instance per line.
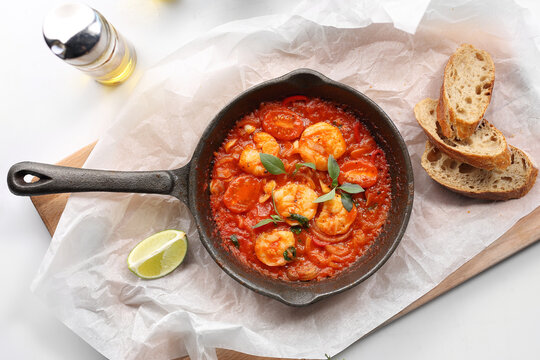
x=365, y=146
x=292, y=99
x=242, y=194
x=283, y=124
x=361, y=172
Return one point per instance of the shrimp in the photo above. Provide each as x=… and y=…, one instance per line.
x=318, y=142
x=303, y=272
x=295, y=199
x=334, y=219
x=271, y=246
x=250, y=161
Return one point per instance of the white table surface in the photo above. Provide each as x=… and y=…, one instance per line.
x=48, y=110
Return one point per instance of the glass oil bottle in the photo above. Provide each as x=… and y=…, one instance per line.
x=83, y=38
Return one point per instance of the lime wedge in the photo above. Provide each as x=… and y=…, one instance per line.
x=158, y=255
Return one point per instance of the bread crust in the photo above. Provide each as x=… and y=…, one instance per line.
x=499, y=160
x=515, y=193
x=442, y=117
x=452, y=125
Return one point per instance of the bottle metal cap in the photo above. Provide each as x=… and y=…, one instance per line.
x=76, y=33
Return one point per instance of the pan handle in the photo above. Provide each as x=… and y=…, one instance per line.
x=53, y=179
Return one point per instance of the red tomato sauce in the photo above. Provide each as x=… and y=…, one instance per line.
x=239, y=200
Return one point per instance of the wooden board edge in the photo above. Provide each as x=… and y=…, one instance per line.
x=55, y=204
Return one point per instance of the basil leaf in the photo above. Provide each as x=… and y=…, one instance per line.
x=264, y=222
x=328, y=196
x=273, y=164
x=302, y=220
x=297, y=229
x=334, y=183
x=308, y=164
x=276, y=218
x=351, y=188
x=333, y=168
x=346, y=201
x=234, y=240
x=290, y=253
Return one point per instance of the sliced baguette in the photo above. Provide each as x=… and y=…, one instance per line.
x=466, y=91
x=512, y=183
x=485, y=149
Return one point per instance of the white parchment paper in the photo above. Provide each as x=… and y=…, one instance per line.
x=84, y=277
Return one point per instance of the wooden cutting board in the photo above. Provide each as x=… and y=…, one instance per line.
x=524, y=233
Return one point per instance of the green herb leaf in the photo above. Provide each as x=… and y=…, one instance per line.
x=308, y=164
x=234, y=240
x=351, y=188
x=328, y=196
x=264, y=222
x=276, y=218
x=296, y=229
x=346, y=200
x=290, y=253
x=334, y=183
x=302, y=220
x=273, y=164
x=333, y=168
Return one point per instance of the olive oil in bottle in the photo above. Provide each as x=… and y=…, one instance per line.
x=83, y=38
